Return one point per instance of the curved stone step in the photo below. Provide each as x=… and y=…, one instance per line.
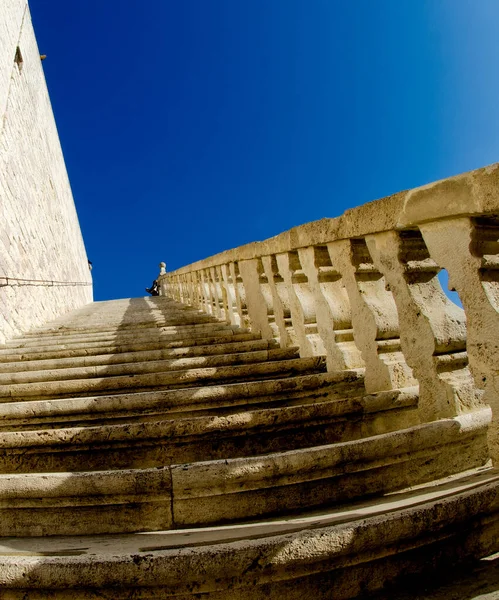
x=265, y=428
x=214, y=492
x=353, y=550
x=227, y=490
x=156, y=366
x=180, y=378
x=195, y=400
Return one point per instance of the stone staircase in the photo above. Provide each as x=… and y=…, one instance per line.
x=148, y=450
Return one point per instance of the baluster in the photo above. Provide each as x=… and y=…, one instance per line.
x=215, y=293
x=301, y=304
x=190, y=289
x=257, y=306
x=240, y=294
x=207, y=299
x=280, y=303
x=173, y=287
x=432, y=328
x=332, y=308
x=374, y=317
x=222, y=293
x=469, y=250
x=181, y=288
x=199, y=291
x=230, y=297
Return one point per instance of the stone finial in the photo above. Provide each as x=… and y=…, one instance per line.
x=162, y=268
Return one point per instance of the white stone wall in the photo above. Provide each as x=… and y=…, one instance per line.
x=40, y=237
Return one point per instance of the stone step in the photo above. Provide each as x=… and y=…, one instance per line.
x=269, y=426
x=106, y=326
x=180, y=378
x=123, y=337
x=130, y=417
x=93, y=349
x=156, y=366
x=114, y=346
x=108, y=322
x=355, y=549
x=137, y=356
x=235, y=489
x=173, y=403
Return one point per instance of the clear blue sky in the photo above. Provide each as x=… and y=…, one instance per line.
x=193, y=126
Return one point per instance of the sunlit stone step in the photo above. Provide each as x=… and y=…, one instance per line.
x=137, y=356
x=123, y=337
x=180, y=378
x=195, y=400
x=270, y=425
x=92, y=349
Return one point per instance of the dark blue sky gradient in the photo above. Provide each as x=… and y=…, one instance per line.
x=193, y=126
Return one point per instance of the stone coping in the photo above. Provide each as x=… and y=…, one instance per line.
x=468, y=194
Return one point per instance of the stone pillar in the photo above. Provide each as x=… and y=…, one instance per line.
x=432, y=328
x=332, y=309
x=374, y=317
x=282, y=316
x=301, y=303
x=230, y=297
x=469, y=250
x=257, y=306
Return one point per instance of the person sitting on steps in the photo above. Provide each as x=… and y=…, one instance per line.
x=154, y=289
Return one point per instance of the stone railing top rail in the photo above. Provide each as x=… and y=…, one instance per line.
x=468, y=194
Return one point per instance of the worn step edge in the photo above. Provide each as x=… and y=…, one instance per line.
x=305, y=422
x=145, y=367
x=221, y=490
x=95, y=349
x=141, y=328
x=108, y=326
x=169, y=378
x=137, y=356
x=118, y=337
x=279, y=559
x=236, y=489
x=177, y=401
x=209, y=425
x=293, y=565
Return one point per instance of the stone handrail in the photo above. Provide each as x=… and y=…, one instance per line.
x=363, y=290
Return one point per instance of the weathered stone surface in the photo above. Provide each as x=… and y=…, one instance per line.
x=237, y=431
x=295, y=558
x=40, y=238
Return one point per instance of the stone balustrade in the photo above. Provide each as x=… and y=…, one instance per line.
x=363, y=290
